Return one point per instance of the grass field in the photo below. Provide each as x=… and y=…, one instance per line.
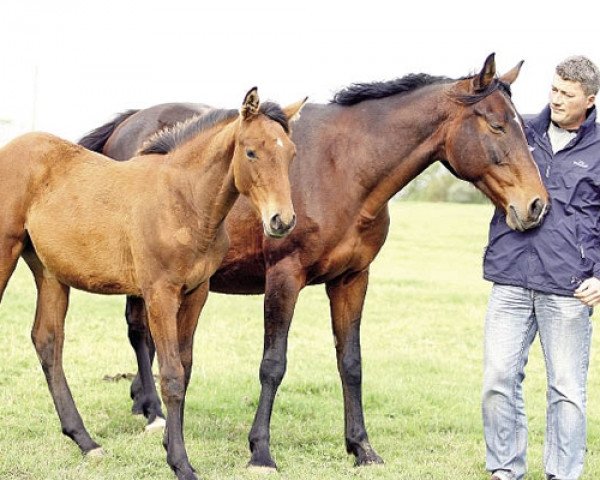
x=422, y=351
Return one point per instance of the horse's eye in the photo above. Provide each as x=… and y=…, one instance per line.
x=497, y=128
x=251, y=154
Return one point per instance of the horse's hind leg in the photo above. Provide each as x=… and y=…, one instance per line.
x=143, y=389
x=11, y=246
x=48, y=337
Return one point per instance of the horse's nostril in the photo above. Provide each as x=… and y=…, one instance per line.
x=276, y=224
x=536, y=208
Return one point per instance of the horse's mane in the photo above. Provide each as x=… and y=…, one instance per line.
x=169, y=138
x=359, y=92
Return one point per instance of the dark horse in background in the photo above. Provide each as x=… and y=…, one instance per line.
x=366, y=145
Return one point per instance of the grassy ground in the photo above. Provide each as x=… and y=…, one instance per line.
x=422, y=350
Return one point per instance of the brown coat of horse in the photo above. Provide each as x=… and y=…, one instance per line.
x=354, y=156
x=152, y=228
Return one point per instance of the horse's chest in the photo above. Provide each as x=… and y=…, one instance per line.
x=205, y=264
x=353, y=253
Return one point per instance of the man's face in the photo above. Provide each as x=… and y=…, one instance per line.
x=568, y=103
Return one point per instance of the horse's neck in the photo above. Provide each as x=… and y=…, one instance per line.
x=204, y=176
x=399, y=138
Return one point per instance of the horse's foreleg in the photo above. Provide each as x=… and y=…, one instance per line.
x=162, y=305
x=346, y=296
x=281, y=294
x=143, y=390
x=48, y=337
x=187, y=321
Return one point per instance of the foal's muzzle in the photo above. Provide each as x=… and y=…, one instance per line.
x=278, y=228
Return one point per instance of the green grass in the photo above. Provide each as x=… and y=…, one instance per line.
x=422, y=350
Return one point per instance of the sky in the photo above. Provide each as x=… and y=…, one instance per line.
x=67, y=67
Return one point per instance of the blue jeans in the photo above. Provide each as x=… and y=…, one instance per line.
x=515, y=315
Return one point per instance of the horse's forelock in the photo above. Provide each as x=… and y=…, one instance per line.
x=275, y=113
x=478, y=95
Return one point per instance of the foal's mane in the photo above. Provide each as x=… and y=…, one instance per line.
x=169, y=138
x=359, y=92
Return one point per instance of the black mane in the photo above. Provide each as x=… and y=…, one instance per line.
x=168, y=139
x=360, y=92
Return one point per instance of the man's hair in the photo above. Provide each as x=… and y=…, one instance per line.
x=580, y=69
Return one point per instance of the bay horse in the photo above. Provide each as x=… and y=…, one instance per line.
x=152, y=228
x=366, y=145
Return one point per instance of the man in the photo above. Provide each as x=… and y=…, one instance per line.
x=545, y=282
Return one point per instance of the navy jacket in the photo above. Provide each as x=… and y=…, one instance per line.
x=565, y=249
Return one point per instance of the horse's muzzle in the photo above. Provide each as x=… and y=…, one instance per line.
x=536, y=211
x=277, y=228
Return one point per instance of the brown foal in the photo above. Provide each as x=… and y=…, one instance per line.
x=152, y=228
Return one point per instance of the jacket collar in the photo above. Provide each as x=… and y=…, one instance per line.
x=541, y=122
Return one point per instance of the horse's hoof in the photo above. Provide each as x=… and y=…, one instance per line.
x=158, y=425
x=261, y=469
x=187, y=474
x=369, y=460
x=135, y=410
x=95, y=453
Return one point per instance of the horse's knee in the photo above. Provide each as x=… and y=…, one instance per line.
x=172, y=387
x=351, y=368
x=44, y=346
x=272, y=371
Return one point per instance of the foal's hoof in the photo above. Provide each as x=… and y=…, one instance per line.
x=186, y=474
x=158, y=425
x=95, y=453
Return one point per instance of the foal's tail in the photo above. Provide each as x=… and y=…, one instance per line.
x=96, y=139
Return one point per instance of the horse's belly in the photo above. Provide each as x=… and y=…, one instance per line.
x=84, y=260
x=239, y=277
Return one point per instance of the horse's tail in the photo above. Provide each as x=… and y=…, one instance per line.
x=96, y=139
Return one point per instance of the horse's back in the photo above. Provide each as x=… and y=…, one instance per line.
x=129, y=136
x=26, y=161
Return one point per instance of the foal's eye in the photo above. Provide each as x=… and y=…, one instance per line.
x=251, y=154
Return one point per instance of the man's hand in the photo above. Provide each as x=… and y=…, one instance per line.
x=589, y=292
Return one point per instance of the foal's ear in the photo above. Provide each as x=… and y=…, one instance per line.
x=292, y=112
x=510, y=76
x=250, y=104
x=483, y=79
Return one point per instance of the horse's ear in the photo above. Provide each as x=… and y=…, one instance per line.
x=482, y=80
x=292, y=112
x=250, y=104
x=510, y=76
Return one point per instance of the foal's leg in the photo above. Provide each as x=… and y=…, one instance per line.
x=162, y=304
x=187, y=321
x=11, y=246
x=281, y=294
x=143, y=389
x=48, y=337
x=346, y=296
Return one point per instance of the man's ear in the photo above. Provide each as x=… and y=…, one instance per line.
x=250, y=104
